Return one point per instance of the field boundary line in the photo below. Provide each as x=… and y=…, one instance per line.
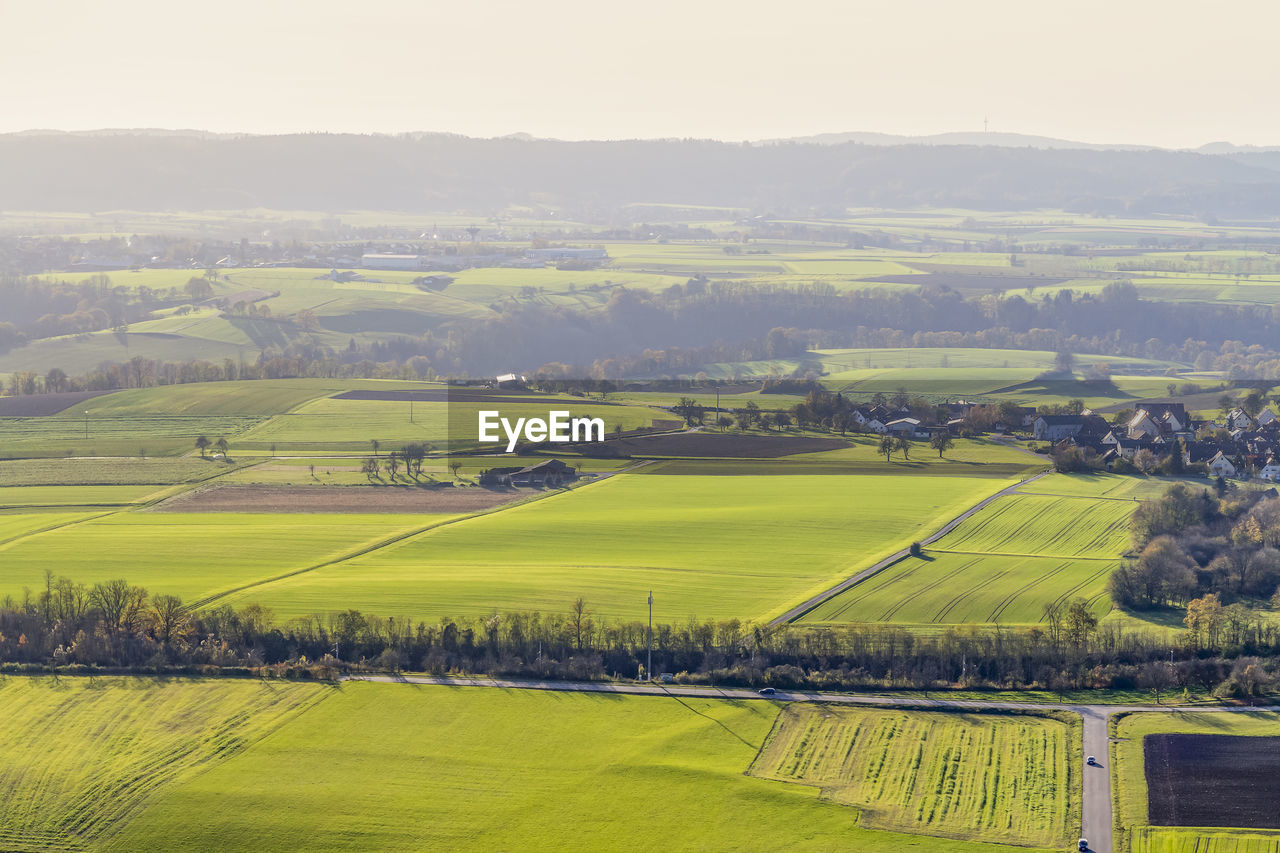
x=821, y=598
x=4, y=545
x=392, y=540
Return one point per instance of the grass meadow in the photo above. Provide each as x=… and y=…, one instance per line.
x=975, y=776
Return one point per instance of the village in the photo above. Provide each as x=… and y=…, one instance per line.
x=1155, y=435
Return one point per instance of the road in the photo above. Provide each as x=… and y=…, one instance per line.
x=801, y=609
x=1096, y=819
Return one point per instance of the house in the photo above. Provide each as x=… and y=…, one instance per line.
x=1266, y=418
x=1220, y=466
x=1142, y=425
x=1239, y=419
x=1058, y=427
x=875, y=425
x=1270, y=471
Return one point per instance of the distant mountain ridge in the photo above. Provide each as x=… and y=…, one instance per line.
x=1006, y=140
x=192, y=170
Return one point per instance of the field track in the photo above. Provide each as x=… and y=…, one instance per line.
x=801, y=609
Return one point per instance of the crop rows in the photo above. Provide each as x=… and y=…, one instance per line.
x=80, y=756
x=996, y=778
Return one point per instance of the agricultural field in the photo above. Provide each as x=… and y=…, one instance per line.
x=982, y=777
x=336, y=424
x=709, y=546
x=112, y=471
x=86, y=496
x=1237, y=780
x=1054, y=540
x=84, y=756
x=391, y=767
x=193, y=556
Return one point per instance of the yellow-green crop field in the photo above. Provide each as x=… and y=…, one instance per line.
x=980, y=777
x=125, y=764
x=83, y=756
x=1054, y=540
x=712, y=547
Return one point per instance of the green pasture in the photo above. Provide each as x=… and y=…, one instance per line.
x=711, y=547
x=85, y=756
x=1130, y=779
x=400, y=767
x=982, y=777
x=193, y=555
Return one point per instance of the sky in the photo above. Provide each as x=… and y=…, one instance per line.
x=1169, y=73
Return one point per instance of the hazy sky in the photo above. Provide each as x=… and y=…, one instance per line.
x=1165, y=73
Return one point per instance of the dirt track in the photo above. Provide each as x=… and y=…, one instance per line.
x=399, y=499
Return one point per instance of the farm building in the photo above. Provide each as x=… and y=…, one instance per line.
x=553, y=472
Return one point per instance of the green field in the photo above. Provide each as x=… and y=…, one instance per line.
x=88, y=496
x=192, y=555
x=1053, y=541
x=111, y=471
x=397, y=767
x=83, y=757
x=711, y=547
x=334, y=424
x=1043, y=526
x=1131, y=783
x=979, y=777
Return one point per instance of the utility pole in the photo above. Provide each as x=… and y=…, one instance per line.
x=86, y=424
x=410, y=407
x=718, y=409
x=648, y=670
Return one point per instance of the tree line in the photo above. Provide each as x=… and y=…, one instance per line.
x=114, y=624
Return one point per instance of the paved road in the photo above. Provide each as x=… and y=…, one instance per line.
x=1096, y=820
x=1095, y=813
x=801, y=609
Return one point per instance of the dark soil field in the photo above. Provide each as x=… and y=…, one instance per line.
x=397, y=499
x=1213, y=780
x=711, y=444
x=43, y=405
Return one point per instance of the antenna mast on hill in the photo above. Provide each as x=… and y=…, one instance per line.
x=984, y=124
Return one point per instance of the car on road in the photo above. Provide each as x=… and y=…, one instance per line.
x=1091, y=761
x=1084, y=845
x=767, y=691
